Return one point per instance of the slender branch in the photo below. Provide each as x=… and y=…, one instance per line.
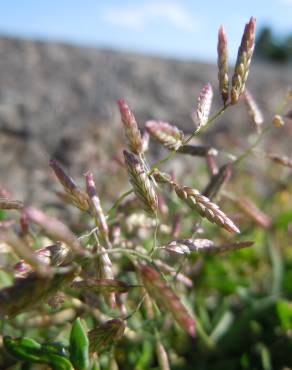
x=195, y=133
x=209, y=122
x=250, y=149
x=118, y=202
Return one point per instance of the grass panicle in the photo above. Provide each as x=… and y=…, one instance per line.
x=131, y=128
x=242, y=64
x=203, y=106
x=222, y=62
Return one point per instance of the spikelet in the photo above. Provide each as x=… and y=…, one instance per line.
x=131, y=128
x=165, y=298
x=142, y=185
x=282, y=160
x=244, y=55
x=205, y=207
x=167, y=135
x=162, y=177
x=105, y=335
x=7, y=203
x=253, y=110
x=278, y=121
x=96, y=209
x=197, y=150
x=102, y=285
x=252, y=211
x=54, y=255
x=31, y=290
x=222, y=63
x=218, y=181
x=203, y=106
x=212, y=165
x=186, y=246
x=54, y=228
x=77, y=196
x=105, y=271
x=23, y=251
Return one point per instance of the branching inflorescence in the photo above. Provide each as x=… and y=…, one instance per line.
x=85, y=267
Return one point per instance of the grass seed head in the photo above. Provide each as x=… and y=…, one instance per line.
x=205, y=246
x=102, y=285
x=142, y=184
x=167, y=135
x=203, y=106
x=105, y=335
x=205, y=207
x=96, y=206
x=54, y=228
x=165, y=298
x=242, y=64
x=198, y=150
x=53, y=255
x=222, y=63
x=77, y=196
x=131, y=127
x=248, y=207
x=32, y=290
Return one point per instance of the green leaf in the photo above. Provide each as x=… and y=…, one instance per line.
x=56, y=348
x=26, y=349
x=284, y=310
x=2, y=214
x=79, y=346
x=283, y=220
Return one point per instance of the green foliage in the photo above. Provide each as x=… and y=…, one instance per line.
x=29, y=351
x=79, y=346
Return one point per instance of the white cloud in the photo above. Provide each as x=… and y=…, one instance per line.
x=139, y=17
x=286, y=2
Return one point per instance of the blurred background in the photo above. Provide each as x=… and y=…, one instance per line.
x=63, y=65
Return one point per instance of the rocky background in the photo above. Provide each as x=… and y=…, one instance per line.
x=58, y=101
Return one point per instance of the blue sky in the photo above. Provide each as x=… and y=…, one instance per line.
x=176, y=28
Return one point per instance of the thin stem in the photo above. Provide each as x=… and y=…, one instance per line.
x=125, y=252
x=204, y=336
x=119, y=201
x=196, y=132
x=250, y=149
x=137, y=307
x=162, y=161
x=210, y=120
x=154, y=247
